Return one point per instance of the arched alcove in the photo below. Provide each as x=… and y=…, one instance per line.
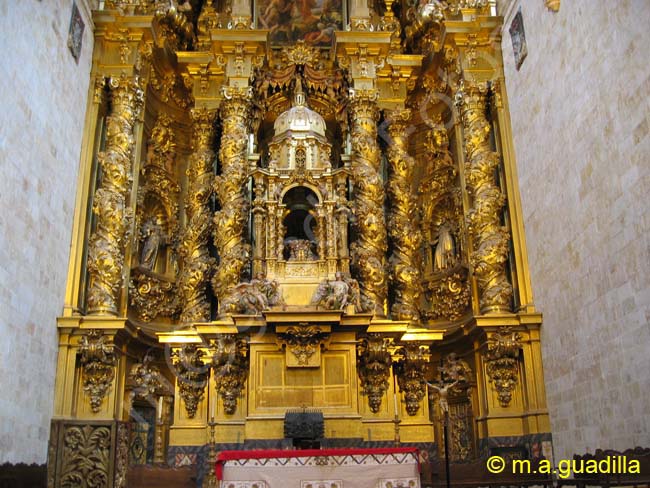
x=300, y=220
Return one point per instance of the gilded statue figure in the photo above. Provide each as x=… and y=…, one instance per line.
x=153, y=239
x=445, y=253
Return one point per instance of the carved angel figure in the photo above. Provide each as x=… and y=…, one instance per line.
x=338, y=293
x=332, y=294
x=253, y=298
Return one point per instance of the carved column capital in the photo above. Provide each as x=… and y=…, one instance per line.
x=471, y=95
x=203, y=119
x=365, y=101
x=398, y=119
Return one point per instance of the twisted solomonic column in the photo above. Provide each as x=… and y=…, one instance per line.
x=230, y=187
x=491, y=239
x=194, y=252
x=369, y=249
x=107, y=241
x=404, y=234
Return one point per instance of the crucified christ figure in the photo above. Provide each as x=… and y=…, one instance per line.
x=443, y=393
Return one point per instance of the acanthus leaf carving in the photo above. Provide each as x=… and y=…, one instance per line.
x=230, y=365
x=192, y=376
x=373, y=366
x=502, y=362
x=98, y=361
x=304, y=341
x=145, y=378
x=410, y=370
x=86, y=459
x=121, y=455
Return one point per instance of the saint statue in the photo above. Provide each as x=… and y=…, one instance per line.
x=152, y=241
x=445, y=253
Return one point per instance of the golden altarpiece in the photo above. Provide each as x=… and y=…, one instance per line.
x=265, y=224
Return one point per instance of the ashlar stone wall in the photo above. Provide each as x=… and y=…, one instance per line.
x=580, y=108
x=43, y=104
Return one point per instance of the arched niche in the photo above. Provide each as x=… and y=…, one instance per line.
x=300, y=222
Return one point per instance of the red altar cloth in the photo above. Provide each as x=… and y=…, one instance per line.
x=224, y=456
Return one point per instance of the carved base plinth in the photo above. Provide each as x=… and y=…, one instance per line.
x=87, y=454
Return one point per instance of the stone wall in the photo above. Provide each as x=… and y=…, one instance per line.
x=44, y=94
x=580, y=108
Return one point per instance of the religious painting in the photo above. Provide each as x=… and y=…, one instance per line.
x=75, y=32
x=518, y=36
x=313, y=21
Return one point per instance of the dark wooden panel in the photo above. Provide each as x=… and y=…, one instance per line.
x=23, y=476
x=161, y=477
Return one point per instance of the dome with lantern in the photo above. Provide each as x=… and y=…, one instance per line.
x=300, y=137
x=299, y=118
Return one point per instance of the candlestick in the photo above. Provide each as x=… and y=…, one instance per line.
x=160, y=407
x=210, y=478
x=213, y=407
x=396, y=404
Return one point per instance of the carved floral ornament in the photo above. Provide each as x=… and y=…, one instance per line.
x=227, y=355
x=86, y=456
x=97, y=359
x=411, y=370
x=145, y=378
x=373, y=366
x=192, y=376
x=230, y=366
x=502, y=362
x=304, y=342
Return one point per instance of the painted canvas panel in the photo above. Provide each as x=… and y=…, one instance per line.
x=288, y=21
x=518, y=36
x=75, y=33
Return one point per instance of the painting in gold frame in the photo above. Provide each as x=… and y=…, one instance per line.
x=288, y=21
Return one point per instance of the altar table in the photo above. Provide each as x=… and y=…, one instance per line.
x=320, y=468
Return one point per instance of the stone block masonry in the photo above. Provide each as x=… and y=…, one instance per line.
x=580, y=115
x=43, y=104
